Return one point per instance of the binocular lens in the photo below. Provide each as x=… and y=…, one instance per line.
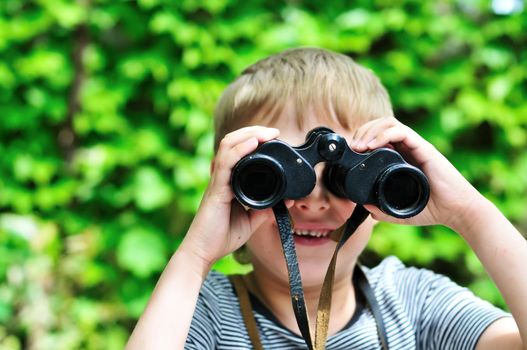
x=259, y=183
x=402, y=191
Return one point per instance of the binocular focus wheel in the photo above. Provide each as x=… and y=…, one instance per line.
x=318, y=131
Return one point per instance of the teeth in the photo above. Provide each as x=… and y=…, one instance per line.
x=310, y=233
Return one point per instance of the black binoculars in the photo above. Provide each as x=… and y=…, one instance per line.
x=277, y=171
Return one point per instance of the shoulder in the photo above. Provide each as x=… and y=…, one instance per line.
x=217, y=317
x=418, y=289
x=392, y=275
x=441, y=313
x=216, y=282
x=391, y=266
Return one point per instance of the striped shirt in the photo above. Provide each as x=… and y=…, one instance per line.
x=420, y=309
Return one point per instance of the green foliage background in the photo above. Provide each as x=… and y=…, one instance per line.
x=106, y=136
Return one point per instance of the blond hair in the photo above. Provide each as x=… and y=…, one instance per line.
x=332, y=84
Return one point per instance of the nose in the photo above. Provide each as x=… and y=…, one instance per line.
x=318, y=200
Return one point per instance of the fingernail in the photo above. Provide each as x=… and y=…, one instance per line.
x=372, y=143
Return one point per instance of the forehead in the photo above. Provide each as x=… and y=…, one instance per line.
x=294, y=127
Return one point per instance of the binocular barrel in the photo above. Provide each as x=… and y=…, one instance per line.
x=277, y=171
x=400, y=190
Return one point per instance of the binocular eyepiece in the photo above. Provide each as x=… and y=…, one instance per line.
x=277, y=171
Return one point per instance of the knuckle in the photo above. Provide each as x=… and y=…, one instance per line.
x=228, y=160
x=225, y=142
x=221, y=164
x=240, y=150
x=383, y=135
x=393, y=121
x=407, y=130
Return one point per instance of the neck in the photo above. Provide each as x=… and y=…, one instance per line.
x=273, y=291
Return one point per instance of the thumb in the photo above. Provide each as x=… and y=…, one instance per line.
x=258, y=217
x=379, y=215
x=375, y=212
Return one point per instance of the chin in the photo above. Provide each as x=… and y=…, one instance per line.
x=313, y=272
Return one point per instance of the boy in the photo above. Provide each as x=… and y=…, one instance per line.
x=287, y=95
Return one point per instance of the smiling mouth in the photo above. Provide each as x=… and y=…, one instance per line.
x=311, y=233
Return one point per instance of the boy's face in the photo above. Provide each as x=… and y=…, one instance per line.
x=321, y=212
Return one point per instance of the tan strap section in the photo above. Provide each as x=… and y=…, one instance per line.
x=324, y=302
x=324, y=306
x=247, y=310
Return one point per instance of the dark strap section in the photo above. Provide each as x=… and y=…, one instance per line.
x=285, y=230
x=356, y=219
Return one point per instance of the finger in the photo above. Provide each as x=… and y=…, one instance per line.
x=261, y=133
x=258, y=217
x=359, y=133
x=225, y=162
x=392, y=135
x=375, y=212
x=406, y=141
x=366, y=136
x=236, y=145
x=379, y=215
x=385, y=124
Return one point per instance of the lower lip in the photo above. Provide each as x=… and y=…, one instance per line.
x=311, y=241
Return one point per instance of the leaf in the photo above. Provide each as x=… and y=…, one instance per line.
x=354, y=19
x=150, y=189
x=141, y=251
x=499, y=87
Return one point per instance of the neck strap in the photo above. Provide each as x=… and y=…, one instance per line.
x=359, y=280
x=283, y=221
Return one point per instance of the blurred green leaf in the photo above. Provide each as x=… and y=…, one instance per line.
x=151, y=190
x=142, y=252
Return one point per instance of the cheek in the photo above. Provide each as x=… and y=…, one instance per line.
x=342, y=207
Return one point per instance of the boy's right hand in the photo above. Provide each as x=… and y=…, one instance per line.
x=221, y=224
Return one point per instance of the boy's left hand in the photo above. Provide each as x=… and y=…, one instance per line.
x=451, y=195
